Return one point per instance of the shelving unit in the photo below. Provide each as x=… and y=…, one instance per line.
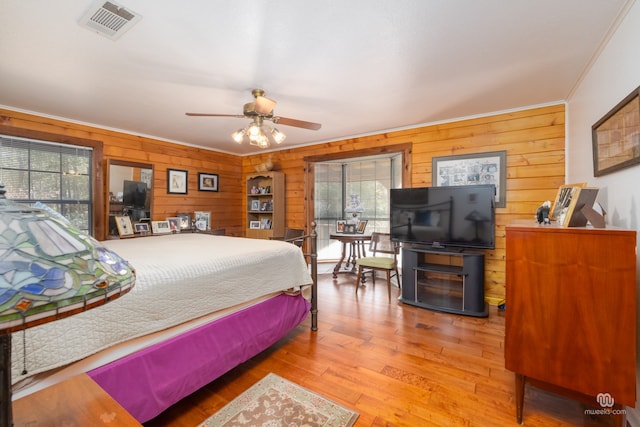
x=444, y=280
x=266, y=207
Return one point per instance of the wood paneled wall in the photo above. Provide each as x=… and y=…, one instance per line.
x=225, y=205
x=534, y=140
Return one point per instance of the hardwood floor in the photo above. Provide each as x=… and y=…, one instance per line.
x=395, y=364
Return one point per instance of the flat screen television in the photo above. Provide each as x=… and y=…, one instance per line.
x=455, y=216
x=134, y=194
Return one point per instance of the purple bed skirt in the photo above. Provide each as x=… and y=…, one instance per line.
x=149, y=381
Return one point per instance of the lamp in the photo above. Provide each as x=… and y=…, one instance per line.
x=257, y=133
x=354, y=208
x=48, y=271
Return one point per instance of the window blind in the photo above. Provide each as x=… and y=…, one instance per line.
x=57, y=175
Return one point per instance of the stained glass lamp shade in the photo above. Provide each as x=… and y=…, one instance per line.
x=48, y=270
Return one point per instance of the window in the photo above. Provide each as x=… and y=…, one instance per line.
x=368, y=178
x=57, y=175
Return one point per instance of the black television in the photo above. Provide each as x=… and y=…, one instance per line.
x=134, y=194
x=454, y=216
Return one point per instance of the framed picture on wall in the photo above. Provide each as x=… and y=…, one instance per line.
x=477, y=168
x=616, y=137
x=207, y=182
x=177, y=181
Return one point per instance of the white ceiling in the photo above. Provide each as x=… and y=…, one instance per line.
x=357, y=66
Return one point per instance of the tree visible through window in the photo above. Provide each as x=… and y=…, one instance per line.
x=54, y=174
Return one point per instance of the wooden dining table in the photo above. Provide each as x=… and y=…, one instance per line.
x=356, y=244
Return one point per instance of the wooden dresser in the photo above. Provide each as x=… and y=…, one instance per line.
x=571, y=312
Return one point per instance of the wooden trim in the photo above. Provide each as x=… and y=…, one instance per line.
x=309, y=169
x=98, y=206
x=373, y=151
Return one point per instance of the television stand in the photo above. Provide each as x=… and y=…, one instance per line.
x=444, y=280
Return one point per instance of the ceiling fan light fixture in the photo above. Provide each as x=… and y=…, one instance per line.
x=258, y=111
x=254, y=130
x=278, y=136
x=256, y=137
x=238, y=136
x=261, y=140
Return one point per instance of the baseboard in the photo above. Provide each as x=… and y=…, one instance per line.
x=494, y=300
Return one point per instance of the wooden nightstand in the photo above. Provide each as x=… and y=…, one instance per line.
x=78, y=401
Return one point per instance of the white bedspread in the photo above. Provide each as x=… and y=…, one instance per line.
x=179, y=278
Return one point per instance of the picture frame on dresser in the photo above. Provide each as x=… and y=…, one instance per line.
x=141, y=227
x=586, y=197
x=202, y=220
x=160, y=227
x=563, y=200
x=174, y=223
x=185, y=221
x=125, y=228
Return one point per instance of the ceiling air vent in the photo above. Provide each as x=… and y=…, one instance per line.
x=109, y=19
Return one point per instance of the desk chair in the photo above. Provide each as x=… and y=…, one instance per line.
x=384, y=257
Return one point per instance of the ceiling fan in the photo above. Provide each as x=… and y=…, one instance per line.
x=260, y=110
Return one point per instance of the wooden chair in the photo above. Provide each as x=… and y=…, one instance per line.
x=384, y=257
x=292, y=235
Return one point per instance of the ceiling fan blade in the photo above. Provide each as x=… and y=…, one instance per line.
x=264, y=105
x=215, y=115
x=296, y=123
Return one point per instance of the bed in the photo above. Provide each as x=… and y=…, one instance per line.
x=202, y=304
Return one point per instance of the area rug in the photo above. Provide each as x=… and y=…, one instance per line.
x=276, y=402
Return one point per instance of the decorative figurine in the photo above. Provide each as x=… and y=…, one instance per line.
x=542, y=214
